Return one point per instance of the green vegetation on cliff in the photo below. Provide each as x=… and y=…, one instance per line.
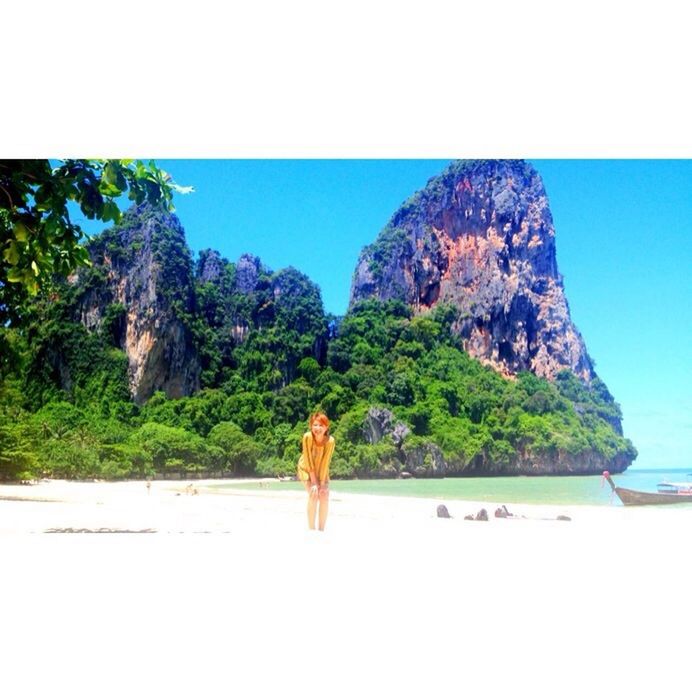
x=269, y=357
x=400, y=390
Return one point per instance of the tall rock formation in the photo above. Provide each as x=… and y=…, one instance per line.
x=481, y=237
x=280, y=312
x=144, y=267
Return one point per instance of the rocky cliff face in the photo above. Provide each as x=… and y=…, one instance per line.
x=481, y=237
x=425, y=459
x=145, y=267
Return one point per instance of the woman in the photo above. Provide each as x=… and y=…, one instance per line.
x=313, y=467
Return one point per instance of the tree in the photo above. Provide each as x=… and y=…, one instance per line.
x=241, y=452
x=37, y=238
x=174, y=449
x=18, y=458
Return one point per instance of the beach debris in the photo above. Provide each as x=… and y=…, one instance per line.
x=70, y=529
x=481, y=515
x=563, y=517
x=443, y=512
x=503, y=512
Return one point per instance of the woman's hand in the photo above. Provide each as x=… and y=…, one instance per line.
x=314, y=489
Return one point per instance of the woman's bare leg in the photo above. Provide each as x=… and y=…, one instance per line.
x=312, y=507
x=324, y=506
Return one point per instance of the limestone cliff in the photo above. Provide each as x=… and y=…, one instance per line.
x=144, y=266
x=481, y=237
x=250, y=307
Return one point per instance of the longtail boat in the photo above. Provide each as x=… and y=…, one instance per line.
x=638, y=497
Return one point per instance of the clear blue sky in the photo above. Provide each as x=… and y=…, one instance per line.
x=624, y=247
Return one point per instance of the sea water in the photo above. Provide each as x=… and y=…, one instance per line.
x=556, y=490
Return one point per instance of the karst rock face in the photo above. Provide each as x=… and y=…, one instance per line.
x=147, y=269
x=481, y=237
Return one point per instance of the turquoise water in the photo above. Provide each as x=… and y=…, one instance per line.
x=557, y=490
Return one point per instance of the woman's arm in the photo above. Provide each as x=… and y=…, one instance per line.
x=329, y=450
x=307, y=455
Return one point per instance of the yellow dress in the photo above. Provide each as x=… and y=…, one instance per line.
x=315, y=459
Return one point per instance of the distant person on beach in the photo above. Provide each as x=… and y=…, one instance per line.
x=313, y=468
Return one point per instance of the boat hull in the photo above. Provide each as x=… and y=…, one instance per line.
x=637, y=497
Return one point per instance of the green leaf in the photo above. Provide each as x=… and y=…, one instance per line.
x=81, y=255
x=110, y=174
x=34, y=266
x=12, y=253
x=21, y=232
x=108, y=189
x=110, y=212
x=52, y=224
x=15, y=275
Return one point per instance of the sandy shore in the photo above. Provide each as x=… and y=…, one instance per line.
x=218, y=590
x=205, y=506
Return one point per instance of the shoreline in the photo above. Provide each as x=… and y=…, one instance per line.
x=224, y=588
x=199, y=506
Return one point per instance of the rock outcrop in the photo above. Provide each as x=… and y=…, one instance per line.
x=380, y=422
x=145, y=267
x=246, y=298
x=210, y=266
x=480, y=237
x=247, y=272
x=423, y=459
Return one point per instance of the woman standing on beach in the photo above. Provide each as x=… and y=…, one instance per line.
x=313, y=467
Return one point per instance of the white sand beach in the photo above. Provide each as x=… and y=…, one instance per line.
x=112, y=586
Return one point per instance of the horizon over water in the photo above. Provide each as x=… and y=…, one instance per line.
x=556, y=490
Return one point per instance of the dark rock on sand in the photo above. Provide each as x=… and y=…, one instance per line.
x=443, y=512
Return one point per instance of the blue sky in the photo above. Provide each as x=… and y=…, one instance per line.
x=624, y=248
